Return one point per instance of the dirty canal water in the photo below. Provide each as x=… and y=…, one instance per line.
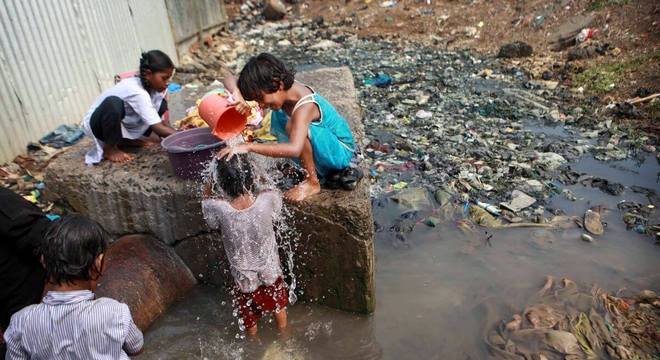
x=440, y=289
x=437, y=292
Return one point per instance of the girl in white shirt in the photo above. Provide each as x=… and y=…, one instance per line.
x=245, y=220
x=130, y=110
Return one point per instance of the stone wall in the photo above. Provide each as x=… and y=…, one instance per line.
x=334, y=260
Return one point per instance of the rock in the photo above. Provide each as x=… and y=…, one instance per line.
x=442, y=196
x=423, y=114
x=324, y=45
x=587, y=238
x=413, y=199
x=516, y=49
x=143, y=196
x=549, y=160
x=274, y=10
x=565, y=34
x=532, y=185
x=592, y=222
x=284, y=43
x=519, y=201
x=470, y=31
x=587, y=51
x=205, y=256
x=145, y=274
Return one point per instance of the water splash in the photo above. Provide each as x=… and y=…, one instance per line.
x=266, y=176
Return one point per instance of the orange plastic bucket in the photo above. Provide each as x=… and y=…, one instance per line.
x=223, y=119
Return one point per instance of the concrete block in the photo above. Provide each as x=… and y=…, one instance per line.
x=334, y=259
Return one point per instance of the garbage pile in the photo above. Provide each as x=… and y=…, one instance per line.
x=498, y=133
x=24, y=174
x=566, y=322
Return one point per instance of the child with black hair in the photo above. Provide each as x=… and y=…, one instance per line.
x=246, y=224
x=69, y=323
x=130, y=111
x=306, y=125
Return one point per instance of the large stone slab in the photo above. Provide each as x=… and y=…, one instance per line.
x=334, y=259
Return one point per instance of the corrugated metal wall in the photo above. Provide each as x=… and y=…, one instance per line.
x=57, y=56
x=190, y=17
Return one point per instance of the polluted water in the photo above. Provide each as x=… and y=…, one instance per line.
x=448, y=291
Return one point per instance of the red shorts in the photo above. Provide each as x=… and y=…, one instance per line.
x=251, y=306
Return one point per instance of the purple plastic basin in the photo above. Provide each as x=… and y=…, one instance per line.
x=190, y=150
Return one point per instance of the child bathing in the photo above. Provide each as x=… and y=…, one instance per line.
x=306, y=125
x=246, y=223
x=69, y=323
x=127, y=113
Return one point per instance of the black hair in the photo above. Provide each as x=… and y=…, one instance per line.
x=264, y=72
x=234, y=176
x=154, y=60
x=70, y=248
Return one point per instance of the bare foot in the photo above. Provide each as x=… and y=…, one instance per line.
x=113, y=154
x=303, y=190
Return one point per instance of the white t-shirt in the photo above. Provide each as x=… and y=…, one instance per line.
x=141, y=111
x=249, y=238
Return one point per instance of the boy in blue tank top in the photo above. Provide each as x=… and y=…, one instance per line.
x=306, y=125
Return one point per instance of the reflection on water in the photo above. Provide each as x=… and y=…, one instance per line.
x=438, y=289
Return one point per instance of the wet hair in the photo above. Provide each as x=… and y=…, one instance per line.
x=264, y=72
x=234, y=177
x=70, y=248
x=156, y=61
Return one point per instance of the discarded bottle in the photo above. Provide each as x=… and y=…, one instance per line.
x=489, y=207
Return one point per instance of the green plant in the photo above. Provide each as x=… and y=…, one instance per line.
x=600, y=4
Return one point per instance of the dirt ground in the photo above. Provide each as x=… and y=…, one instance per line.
x=631, y=28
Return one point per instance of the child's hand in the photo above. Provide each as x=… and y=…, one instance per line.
x=230, y=151
x=241, y=106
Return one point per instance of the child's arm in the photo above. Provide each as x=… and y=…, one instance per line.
x=162, y=130
x=134, y=342
x=299, y=128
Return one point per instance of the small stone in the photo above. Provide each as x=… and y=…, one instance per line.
x=587, y=238
x=470, y=31
x=549, y=160
x=274, y=10
x=515, y=50
x=324, y=44
x=284, y=43
x=423, y=114
x=532, y=185
x=486, y=73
